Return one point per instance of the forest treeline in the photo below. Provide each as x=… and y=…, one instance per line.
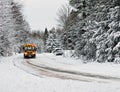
x=89, y=27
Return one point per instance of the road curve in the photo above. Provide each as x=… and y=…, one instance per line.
x=47, y=71
x=88, y=77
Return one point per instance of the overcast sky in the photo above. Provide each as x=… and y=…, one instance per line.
x=42, y=13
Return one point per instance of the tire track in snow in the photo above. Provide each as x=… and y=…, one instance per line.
x=18, y=64
x=88, y=75
x=40, y=70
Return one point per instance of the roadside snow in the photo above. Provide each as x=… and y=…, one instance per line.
x=59, y=62
x=13, y=79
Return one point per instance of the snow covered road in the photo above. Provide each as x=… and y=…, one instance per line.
x=74, y=75
x=53, y=64
x=22, y=79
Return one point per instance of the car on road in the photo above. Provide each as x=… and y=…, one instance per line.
x=57, y=51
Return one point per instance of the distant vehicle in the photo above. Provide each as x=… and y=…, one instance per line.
x=29, y=50
x=57, y=51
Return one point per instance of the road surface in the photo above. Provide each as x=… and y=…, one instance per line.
x=44, y=70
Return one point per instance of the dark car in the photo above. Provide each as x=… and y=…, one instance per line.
x=57, y=51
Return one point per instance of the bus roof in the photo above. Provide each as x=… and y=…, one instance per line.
x=31, y=45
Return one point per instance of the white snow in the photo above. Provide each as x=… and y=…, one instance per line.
x=13, y=79
x=105, y=69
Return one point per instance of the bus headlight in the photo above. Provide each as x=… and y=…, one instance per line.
x=25, y=53
x=33, y=52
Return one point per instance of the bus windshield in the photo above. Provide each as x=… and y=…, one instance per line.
x=29, y=48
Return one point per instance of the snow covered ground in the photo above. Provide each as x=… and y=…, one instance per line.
x=71, y=64
x=14, y=79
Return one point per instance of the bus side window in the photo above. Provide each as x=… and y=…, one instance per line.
x=35, y=49
x=23, y=48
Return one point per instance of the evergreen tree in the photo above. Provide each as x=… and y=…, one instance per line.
x=107, y=36
x=94, y=30
x=52, y=41
x=45, y=37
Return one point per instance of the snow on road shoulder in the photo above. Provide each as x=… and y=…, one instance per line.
x=13, y=79
x=71, y=64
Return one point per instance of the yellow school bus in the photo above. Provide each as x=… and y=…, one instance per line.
x=29, y=50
